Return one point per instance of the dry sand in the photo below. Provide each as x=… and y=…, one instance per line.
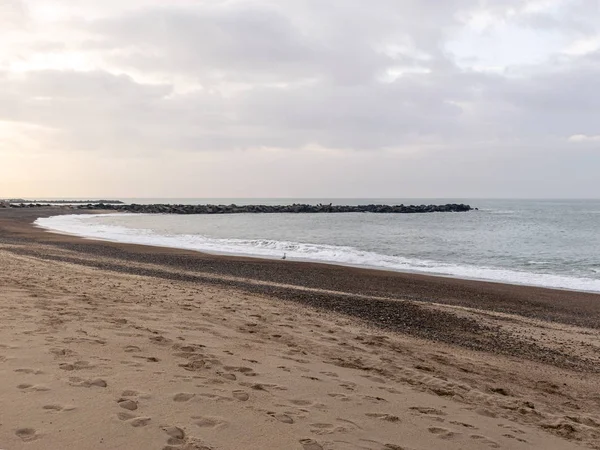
x=99, y=351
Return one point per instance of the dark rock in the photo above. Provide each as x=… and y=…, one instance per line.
x=271, y=209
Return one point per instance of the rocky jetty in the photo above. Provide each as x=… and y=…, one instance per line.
x=271, y=209
x=20, y=201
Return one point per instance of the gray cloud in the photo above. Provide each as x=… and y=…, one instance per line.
x=251, y=44
x=225, y=76
x=578, y=16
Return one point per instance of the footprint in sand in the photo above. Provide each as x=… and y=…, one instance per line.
x=161, y=340
x=132, y=349
x=463, y=424
x=31, y=388
x=310, y=444
x=242, y=396
x=511, y=428
x=228, y=376
x=256, y=386
x=128, y=404
x=330, y=374
x=194, y=366
x=390, y=390
x=53, y=407
x=375, y=379
x=443, y=433
x=190, y=444
x=215, y=397
x=284, y=418
x=97, y=382
x=301, y=402
x=80, y=382
x=485, y=440
x=176, y=435
x=311, y=378
x=134, y=420
x=148, y=358
x=350, y=423
x=340, y=397
x=375, y=399
x=383, y=416
x=512, y=436
x=486, y=412
x=77, y=365
x=57, y=408
x=247, y=371
x=61, y=352
x=188, y=348
x=210, y=422
x=428, y=411
x=325, y=428
x=29, y=371
x=126, y=416
x=372, y=444
x=27, y=434
x=9, y=347
x=140, y=422
x=175, y=432
x=129, y=393
x=183, y=397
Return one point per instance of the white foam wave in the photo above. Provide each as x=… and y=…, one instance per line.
x=497, y=211
x=81, y=225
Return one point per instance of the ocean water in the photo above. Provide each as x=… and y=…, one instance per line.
x=551, y=243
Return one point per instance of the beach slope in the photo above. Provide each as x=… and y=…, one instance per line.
x=109, y=346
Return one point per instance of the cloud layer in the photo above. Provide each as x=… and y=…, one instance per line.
x=478, y=98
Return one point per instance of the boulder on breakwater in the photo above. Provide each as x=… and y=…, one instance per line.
x=271, y=209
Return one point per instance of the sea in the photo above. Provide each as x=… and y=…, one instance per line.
x=550, y=243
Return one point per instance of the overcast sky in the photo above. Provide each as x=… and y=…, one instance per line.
x=300, y=98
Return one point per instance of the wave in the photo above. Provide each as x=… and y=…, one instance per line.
x=499, y=211
x=80, y=225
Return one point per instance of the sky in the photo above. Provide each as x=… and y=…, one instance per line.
x=300, y=98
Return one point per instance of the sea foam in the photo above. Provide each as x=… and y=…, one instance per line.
x=81, y=225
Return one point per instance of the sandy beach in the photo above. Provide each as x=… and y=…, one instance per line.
x=114, y=346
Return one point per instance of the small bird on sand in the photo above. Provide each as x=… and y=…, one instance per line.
x=284, y=256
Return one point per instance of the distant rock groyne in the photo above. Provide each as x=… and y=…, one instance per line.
x=251, y=209
x=62, y=202
x=270, y=209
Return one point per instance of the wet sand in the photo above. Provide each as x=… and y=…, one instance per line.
x=228, y=352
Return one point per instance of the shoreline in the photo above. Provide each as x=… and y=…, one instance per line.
x=312, y=261
x=289, y=279
x=20, y=224
x=107, y=345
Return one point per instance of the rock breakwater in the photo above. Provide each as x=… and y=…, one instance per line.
x=251, y=209
x=20, y=201
x=271, y=209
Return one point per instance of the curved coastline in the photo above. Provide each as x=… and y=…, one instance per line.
x=320, y=254
x=303, y=327
x=288, y=280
